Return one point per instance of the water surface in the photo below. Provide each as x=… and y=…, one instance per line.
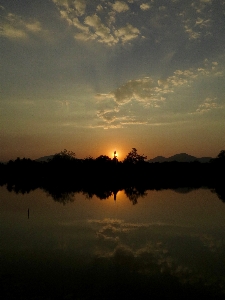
x=171, y=243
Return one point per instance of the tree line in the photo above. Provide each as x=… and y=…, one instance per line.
x=65, y=168
x=64, y=174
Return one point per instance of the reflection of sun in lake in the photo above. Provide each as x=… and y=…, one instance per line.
x=120, y=195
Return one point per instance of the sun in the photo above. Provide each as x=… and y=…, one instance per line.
x=115, y=154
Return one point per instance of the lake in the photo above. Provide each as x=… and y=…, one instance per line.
x=166, y=244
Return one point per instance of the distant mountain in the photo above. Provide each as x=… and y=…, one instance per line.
x=44, y=158
x=158, y=159
x=182, y=157
x=204, y=159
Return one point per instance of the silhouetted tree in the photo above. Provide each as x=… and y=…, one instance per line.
x=64, y=155
x=221, y=155
x=63, y=197
x=134, y=158
x=220, y=159
x=134, y=193
x=220, y=191
x=103, y=159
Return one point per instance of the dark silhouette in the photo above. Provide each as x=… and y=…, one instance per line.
x=133, y=193
x=220, y=159
x=181, y=157
x=220, y=191
x=64, y=174
x=134, y=158
x=64, y=155
x=221, y=155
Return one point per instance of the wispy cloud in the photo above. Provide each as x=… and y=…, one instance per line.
x=207, y=105
x=148, y=90
x=80, y=7
x=101, y=32
x=127, y=33
x=132, y=102
x=15, y=27
x=197, y=19
x=120, y=6
x=97, y=21
x=145, y=6
x=140, y=89
x=113, y=22
x=120, y=241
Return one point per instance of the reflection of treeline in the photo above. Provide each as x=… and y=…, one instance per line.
x=64, y=174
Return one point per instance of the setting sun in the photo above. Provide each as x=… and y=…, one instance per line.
x=119, y=154
x=115, y=154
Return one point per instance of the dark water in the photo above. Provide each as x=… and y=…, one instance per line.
x=170, y=245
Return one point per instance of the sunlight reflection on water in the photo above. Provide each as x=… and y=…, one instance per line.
x=167, y=235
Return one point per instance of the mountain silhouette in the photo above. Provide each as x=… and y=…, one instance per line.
x=182, y=157
x=44, y=158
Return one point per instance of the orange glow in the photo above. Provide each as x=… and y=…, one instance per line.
x=119, y=153
x=115, y=154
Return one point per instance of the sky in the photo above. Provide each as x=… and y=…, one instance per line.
x=95, y=76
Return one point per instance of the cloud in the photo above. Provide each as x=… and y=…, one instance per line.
x=159, y=254
x=207, y=105
x=113, y=22
x=140, y=89
x=130, y=122
x=149, y=91
x=193, y=35
x=80, y=7
x=93, y=27
x=202, y=23
x=107, y=116
x=100, y=30
x=197, y=19
x=144, y=6
x=62, y=3
x=120, y=6
x=99, y=8
x=33, y=27
x=72, y=6
x=12, y=33
x=113, y=231
x=134, y=101
x=127, y=33
x=15, y=27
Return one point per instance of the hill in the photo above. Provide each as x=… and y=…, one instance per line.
x=182, y=157
x=44, y=158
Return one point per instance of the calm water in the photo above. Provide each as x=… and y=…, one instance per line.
x=170, y=244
